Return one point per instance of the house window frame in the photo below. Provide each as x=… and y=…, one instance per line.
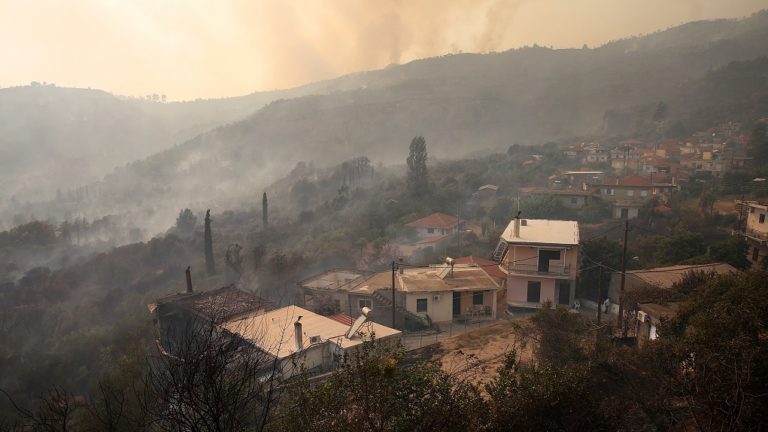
x=422, y=305
x=643, y=193
x=630, y=192
x=361, y=303
x=761, y=218
x=533, y=285
x=475, y=296
x=430, y=230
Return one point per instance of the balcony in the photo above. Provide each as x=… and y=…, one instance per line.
x=554, y=269
x=754, y=235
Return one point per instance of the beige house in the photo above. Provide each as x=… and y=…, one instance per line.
x=756, y=230
x=628, y=194
x=300, y=340
x=435, y=225
x=540, y=257
x=447, y=292
x=423, y=295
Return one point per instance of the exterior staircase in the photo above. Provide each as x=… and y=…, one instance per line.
x=500, y=251
x=408, y=314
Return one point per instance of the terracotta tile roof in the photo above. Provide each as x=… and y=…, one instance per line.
x=435, y=220
x=432, y=240
x=634, y=180
x=342, y=318
x=220, y=304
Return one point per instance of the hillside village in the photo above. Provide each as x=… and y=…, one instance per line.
x=600, y=271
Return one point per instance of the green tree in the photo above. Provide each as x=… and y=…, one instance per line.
x=186, y=221
x=418, y=181
x=732, y=251
x=546, y=207
x=600, y=251
x=714, y=354
x=210, y=265
x=375, y=391
x=679, y=248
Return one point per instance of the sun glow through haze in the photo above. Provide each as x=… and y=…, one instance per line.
x=214, y=48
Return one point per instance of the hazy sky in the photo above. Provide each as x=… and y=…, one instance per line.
x=212, y=48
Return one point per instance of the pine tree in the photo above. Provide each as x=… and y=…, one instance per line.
x=264, y=211
x=417, y=167
x=208, y=238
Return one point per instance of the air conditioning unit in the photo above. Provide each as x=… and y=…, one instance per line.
x=436, y=297
x=314, y=339
x=641, y=316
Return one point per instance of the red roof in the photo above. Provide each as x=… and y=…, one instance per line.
x=433, y=239
x=661, y=208
x=435, y=220
x=489, y=267
x=342, y=318
x=634, y=180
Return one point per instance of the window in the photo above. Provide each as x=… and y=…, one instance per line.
x=762, y=217
x=630, y=193
x=755, y=254
x=477, y=298
x=534, y=292
x=610, y=191
x=751, y=209
x=573, y=200
x=643, y=193
x=430, y=230
x=421, y=305
x=364, y=303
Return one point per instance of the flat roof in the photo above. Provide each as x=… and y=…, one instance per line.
x=336, y=279
x=543, y=231
x=273, y=331
x=665, y=277
x=441, y=279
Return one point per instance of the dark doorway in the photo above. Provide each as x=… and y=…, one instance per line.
x=545, y=256
x=625, y=213
x=456, y=303
x=564, y=293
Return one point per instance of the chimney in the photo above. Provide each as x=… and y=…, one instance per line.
x=298, y=335
x=517, y=226
x=400, y=265
x=189, y=280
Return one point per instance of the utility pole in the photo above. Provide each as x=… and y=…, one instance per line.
x=600, y=294
x=623, y=280
x=394, y=268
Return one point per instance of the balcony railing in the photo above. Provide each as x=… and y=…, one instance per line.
x=554, y=269
x=756, y=235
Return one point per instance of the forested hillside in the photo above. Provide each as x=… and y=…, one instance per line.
x=462, y=103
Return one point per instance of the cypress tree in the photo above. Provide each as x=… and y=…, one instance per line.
x=264, y=210
x=417, y=167
x=208, y=237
